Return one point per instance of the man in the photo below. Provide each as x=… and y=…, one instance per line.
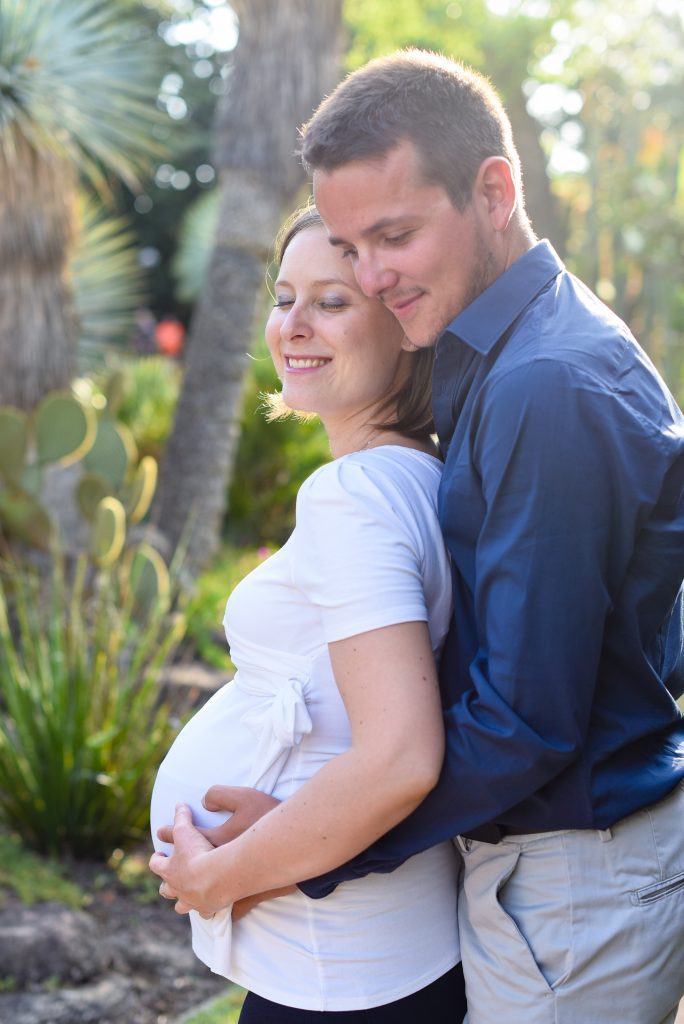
x=562, y=505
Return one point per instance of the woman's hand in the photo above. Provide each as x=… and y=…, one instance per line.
x=188, y=875
x=246, y=806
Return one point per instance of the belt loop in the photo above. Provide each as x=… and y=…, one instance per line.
x=464, y=843
x=605, y=834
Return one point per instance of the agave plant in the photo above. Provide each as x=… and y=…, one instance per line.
x=195, y=245
x=106, y=279
x=78, y=87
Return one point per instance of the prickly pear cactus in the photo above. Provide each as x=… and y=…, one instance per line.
x=112, y=452
x=65, y=428
x=141, y=492
x=115, y=392
x=83, y=467
x=23, y=516
x=147, y=576
x=90, y=490
x=109, y=532
x=14, y=440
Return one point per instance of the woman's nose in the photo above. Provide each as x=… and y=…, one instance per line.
x=295, y=324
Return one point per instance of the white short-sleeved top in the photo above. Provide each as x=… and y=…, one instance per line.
x=366, y=552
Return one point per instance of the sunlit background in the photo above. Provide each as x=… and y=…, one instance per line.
x=602, y=84
x=147, y=159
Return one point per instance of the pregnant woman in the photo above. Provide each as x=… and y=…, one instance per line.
x=335, y=708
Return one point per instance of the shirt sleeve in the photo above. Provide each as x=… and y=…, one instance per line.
x=356, y=557
x=568, y=478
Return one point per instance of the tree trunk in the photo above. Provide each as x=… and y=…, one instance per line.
x=38, y=330
x=285, y=61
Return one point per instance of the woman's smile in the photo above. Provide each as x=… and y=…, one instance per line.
x=304, y=362
x=322, y=321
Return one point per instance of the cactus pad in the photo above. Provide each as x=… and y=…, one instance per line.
x=109, y=531
x=148, y=576
x=90, y=490
x=112, y=452
x=142, y=489
x=115, y=391
x=22, y=516
x=13, y=443
x=65, y=428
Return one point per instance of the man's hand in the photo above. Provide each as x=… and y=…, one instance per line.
x=242, y=907
x=247, y=806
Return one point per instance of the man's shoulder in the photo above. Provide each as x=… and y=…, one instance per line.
x=568, y=323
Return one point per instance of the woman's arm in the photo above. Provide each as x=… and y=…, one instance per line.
x=388, y=682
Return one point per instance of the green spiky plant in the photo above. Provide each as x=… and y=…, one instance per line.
x=195, y=244
x=107, y=281
x=83, y=640
x=78, y=87
x=82, y=728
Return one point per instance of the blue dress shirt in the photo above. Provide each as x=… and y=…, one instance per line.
x=562, y=505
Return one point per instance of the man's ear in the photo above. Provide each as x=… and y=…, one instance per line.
x=495, y=186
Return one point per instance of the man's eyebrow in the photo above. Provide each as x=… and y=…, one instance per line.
x=379, y=225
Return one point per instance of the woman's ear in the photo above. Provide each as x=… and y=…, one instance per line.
x=408, y=346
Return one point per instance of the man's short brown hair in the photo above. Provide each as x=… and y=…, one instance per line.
x=450, y=113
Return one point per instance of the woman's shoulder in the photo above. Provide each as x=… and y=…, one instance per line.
x=384, y=468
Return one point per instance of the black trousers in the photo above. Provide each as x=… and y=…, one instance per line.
x=442, y=1002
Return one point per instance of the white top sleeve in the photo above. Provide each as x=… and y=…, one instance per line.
x=359, y=559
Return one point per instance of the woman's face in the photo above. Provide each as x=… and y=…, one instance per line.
x=338, y=353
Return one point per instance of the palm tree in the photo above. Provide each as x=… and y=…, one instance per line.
x=77, y=102
x=285, y=61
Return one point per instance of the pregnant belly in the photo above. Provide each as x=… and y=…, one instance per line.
x=213, y=748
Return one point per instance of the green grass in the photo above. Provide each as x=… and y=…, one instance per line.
x=224, y=1010
x=32, y=878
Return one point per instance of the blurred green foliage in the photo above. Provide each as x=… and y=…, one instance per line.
x=204, y=613
x=150, y=389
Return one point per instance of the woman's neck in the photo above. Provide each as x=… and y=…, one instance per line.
x=374, y=437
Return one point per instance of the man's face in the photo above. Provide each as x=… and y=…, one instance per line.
x=408, y=245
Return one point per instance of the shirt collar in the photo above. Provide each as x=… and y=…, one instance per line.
x=485, y=320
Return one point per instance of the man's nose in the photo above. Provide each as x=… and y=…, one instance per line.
x=373, y=278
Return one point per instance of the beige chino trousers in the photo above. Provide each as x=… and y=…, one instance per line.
x=578, y=926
